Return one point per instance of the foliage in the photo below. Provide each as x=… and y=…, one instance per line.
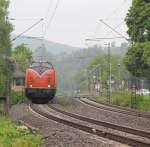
x=143, y=103
x=12, y=135
x=17, y=96
x=117, y=67
x=123, y=98
x=81, y=80
x=65, y=101
x=5, y=49
x=22, y=55
x=75, y=63
x=138, y=21
x=5, y=29
x=137, y=60
x=146, y=59
x=5, y=76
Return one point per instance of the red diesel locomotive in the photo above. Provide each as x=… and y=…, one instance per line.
x=40, y=84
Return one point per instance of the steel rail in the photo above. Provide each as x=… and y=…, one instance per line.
x=88, y=129
x=115, y=108
x=104, y=123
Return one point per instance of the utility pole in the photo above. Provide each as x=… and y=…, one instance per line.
x=93, y=77
x=109, y=74
x=119, y=77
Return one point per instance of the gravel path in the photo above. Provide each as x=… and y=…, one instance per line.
x=59, y=135
x=105, y=115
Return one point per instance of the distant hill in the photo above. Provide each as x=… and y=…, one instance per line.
x=53, y=47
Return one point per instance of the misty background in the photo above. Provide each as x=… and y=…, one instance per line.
x=64, y=38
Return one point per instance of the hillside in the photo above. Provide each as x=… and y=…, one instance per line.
x=53, y=47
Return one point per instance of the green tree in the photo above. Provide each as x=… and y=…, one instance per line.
x=5, y=49
x=117, y=67
x=22, y=55
x=137, y=60
x=133, y=60
x=138, y=21
x=146, y=59
x=5, y=29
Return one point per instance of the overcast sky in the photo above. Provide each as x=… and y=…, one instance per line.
x=74, y=21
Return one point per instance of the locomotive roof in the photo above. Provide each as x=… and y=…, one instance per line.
x=39, y=63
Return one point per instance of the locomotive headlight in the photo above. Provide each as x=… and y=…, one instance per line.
x=31, y=86
x=49, y=86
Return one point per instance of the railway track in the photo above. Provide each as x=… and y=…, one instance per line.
x=142, y=138
x=110, y=107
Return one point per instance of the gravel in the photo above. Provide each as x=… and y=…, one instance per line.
x=105, y=115
x=56, y=134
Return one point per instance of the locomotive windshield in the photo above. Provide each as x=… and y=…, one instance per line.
x=40, y=67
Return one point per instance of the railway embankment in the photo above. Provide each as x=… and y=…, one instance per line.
x=57, y=134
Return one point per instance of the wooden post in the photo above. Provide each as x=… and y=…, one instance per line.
x=5, y=101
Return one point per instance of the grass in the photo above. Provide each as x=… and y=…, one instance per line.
x=12, y=135
x=144, y=103
x=65, y=101
x=123, y=98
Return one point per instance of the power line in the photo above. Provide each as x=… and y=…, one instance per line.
x=48, y=9
x=116, y=27
x=27, y=29
x=114, y=30
x=116, y=10
x=46, y=16
x=103, y=38
x=53, y=15
x=112, y=13
x=22, y=19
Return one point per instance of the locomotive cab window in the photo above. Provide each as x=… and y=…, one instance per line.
x=40, y=67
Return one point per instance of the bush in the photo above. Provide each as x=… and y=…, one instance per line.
x=12, y=135
x=143, y=103
x=17, y=97
x=123, y=98
x=65, y=101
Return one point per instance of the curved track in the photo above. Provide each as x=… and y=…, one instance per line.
x=110, y=107
x=48, y=112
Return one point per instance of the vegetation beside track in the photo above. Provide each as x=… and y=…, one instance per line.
x=123, y=98
x=65, y=101
x=17, y=97
x=12, y=135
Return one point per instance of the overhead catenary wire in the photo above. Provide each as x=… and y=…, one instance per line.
x=48, y=9
x=46, y=16
x=114, y=30
x=116, y=10
x=28, y=29
x=109, y=38
x=118, y=25
x=44, y=30
x=101, y=38
x=51, y=18
x=112, y=13
x=22, y=19
x=42, y=19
